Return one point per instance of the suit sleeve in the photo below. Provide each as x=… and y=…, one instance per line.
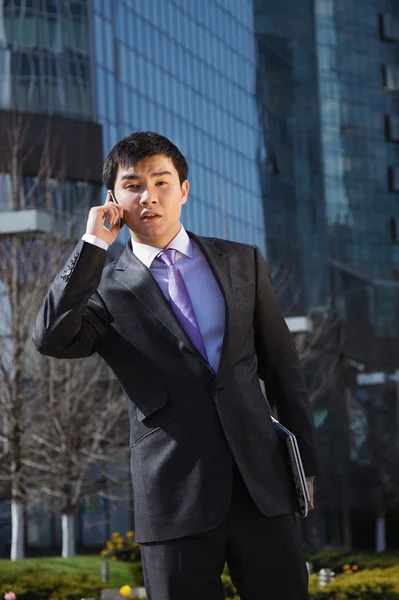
x=279, y=367
x=73, y=319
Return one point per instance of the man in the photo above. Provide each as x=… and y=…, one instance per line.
x=189, y=325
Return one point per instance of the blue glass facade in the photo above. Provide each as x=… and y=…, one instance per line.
x=45, y=57
x=46, y=69
x=327, y=83
x=186, y=69
x=290, y=158
x=357, y=72
x=328, y=103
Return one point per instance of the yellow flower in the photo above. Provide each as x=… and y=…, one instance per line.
x=103, y=553
x=125, y=591
x=115, y=535
x=355, y=567
x=130, y=534
x=113, y=558
x=119, y=545
x=346, y=567
x=110, y=545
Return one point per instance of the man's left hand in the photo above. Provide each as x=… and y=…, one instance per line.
x=310, y=483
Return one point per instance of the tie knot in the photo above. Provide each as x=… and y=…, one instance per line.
x=168, y=256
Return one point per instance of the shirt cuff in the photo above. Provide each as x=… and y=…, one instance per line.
x=92, y=239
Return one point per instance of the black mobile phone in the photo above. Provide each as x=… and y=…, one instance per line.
x=121, y=221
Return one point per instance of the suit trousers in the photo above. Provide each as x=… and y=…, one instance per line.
x=264, y=556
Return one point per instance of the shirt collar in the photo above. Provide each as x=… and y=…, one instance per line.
x=181, y=242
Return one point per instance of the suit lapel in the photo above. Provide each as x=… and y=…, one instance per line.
x=219, y=262
x=135, y=276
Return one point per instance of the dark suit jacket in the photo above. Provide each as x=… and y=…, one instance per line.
x=188, y=423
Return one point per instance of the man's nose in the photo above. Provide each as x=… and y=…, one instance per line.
x=147, y=198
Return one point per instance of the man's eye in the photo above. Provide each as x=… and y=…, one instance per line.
x=161, y=183
x=132, y=186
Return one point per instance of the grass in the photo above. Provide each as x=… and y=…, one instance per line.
x=119, y=572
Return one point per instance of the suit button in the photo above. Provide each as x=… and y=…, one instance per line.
x=217, y=390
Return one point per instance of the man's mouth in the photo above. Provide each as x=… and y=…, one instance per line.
x=147, y=217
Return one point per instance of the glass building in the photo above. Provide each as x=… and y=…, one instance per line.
x=46, y=58
x=358, y=67
x=327, y=96
x=47, y=111
x=327, y=86
x=290, y=158
x=186, y=69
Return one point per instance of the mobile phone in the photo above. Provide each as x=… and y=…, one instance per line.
x=121, y=222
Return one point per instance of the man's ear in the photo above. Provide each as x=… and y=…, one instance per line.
x=184, y=189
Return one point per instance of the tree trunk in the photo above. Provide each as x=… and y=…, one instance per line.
x=380, y=534
x=68, y=535
x=18, y=530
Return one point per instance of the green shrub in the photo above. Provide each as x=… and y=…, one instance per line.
x=43, y=585
x=335, y=559
x=376, y=584
x=136, y=569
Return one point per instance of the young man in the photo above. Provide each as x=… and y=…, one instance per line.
x=189, y=324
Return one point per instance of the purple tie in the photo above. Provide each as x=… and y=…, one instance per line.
x=180, y=300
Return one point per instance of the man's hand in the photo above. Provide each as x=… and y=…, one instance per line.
x=310, y=483
x=109, y=212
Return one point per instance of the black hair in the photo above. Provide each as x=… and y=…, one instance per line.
x=137, y=146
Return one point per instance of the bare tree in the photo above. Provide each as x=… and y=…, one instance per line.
x=80, y=426
x=28, y=262
x=320, y=350
x=25, y=265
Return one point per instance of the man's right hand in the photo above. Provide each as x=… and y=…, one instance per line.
x=109, y=212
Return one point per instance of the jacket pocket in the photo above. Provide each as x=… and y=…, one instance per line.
x=151, y=405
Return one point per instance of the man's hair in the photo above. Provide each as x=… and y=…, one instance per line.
x=137, y=146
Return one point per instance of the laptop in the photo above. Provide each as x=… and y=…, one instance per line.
x=296, y=467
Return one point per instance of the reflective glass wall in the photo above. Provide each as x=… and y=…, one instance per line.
x=289, y=158
x=358, y=67
x=46, y=68
x=186, y=69
x=44, y=57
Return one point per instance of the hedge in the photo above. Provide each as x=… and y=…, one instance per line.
x=44, y=585
x=335, y=559
x=376, y=584
x=369, y=584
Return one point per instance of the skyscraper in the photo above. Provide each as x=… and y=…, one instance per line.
x=327, y=83
x=290, y=151
x=327, y=77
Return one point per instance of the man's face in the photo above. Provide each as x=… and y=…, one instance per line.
x=151, y=187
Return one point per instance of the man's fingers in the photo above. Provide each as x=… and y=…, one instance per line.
x=112, y=212
x=103, y=221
